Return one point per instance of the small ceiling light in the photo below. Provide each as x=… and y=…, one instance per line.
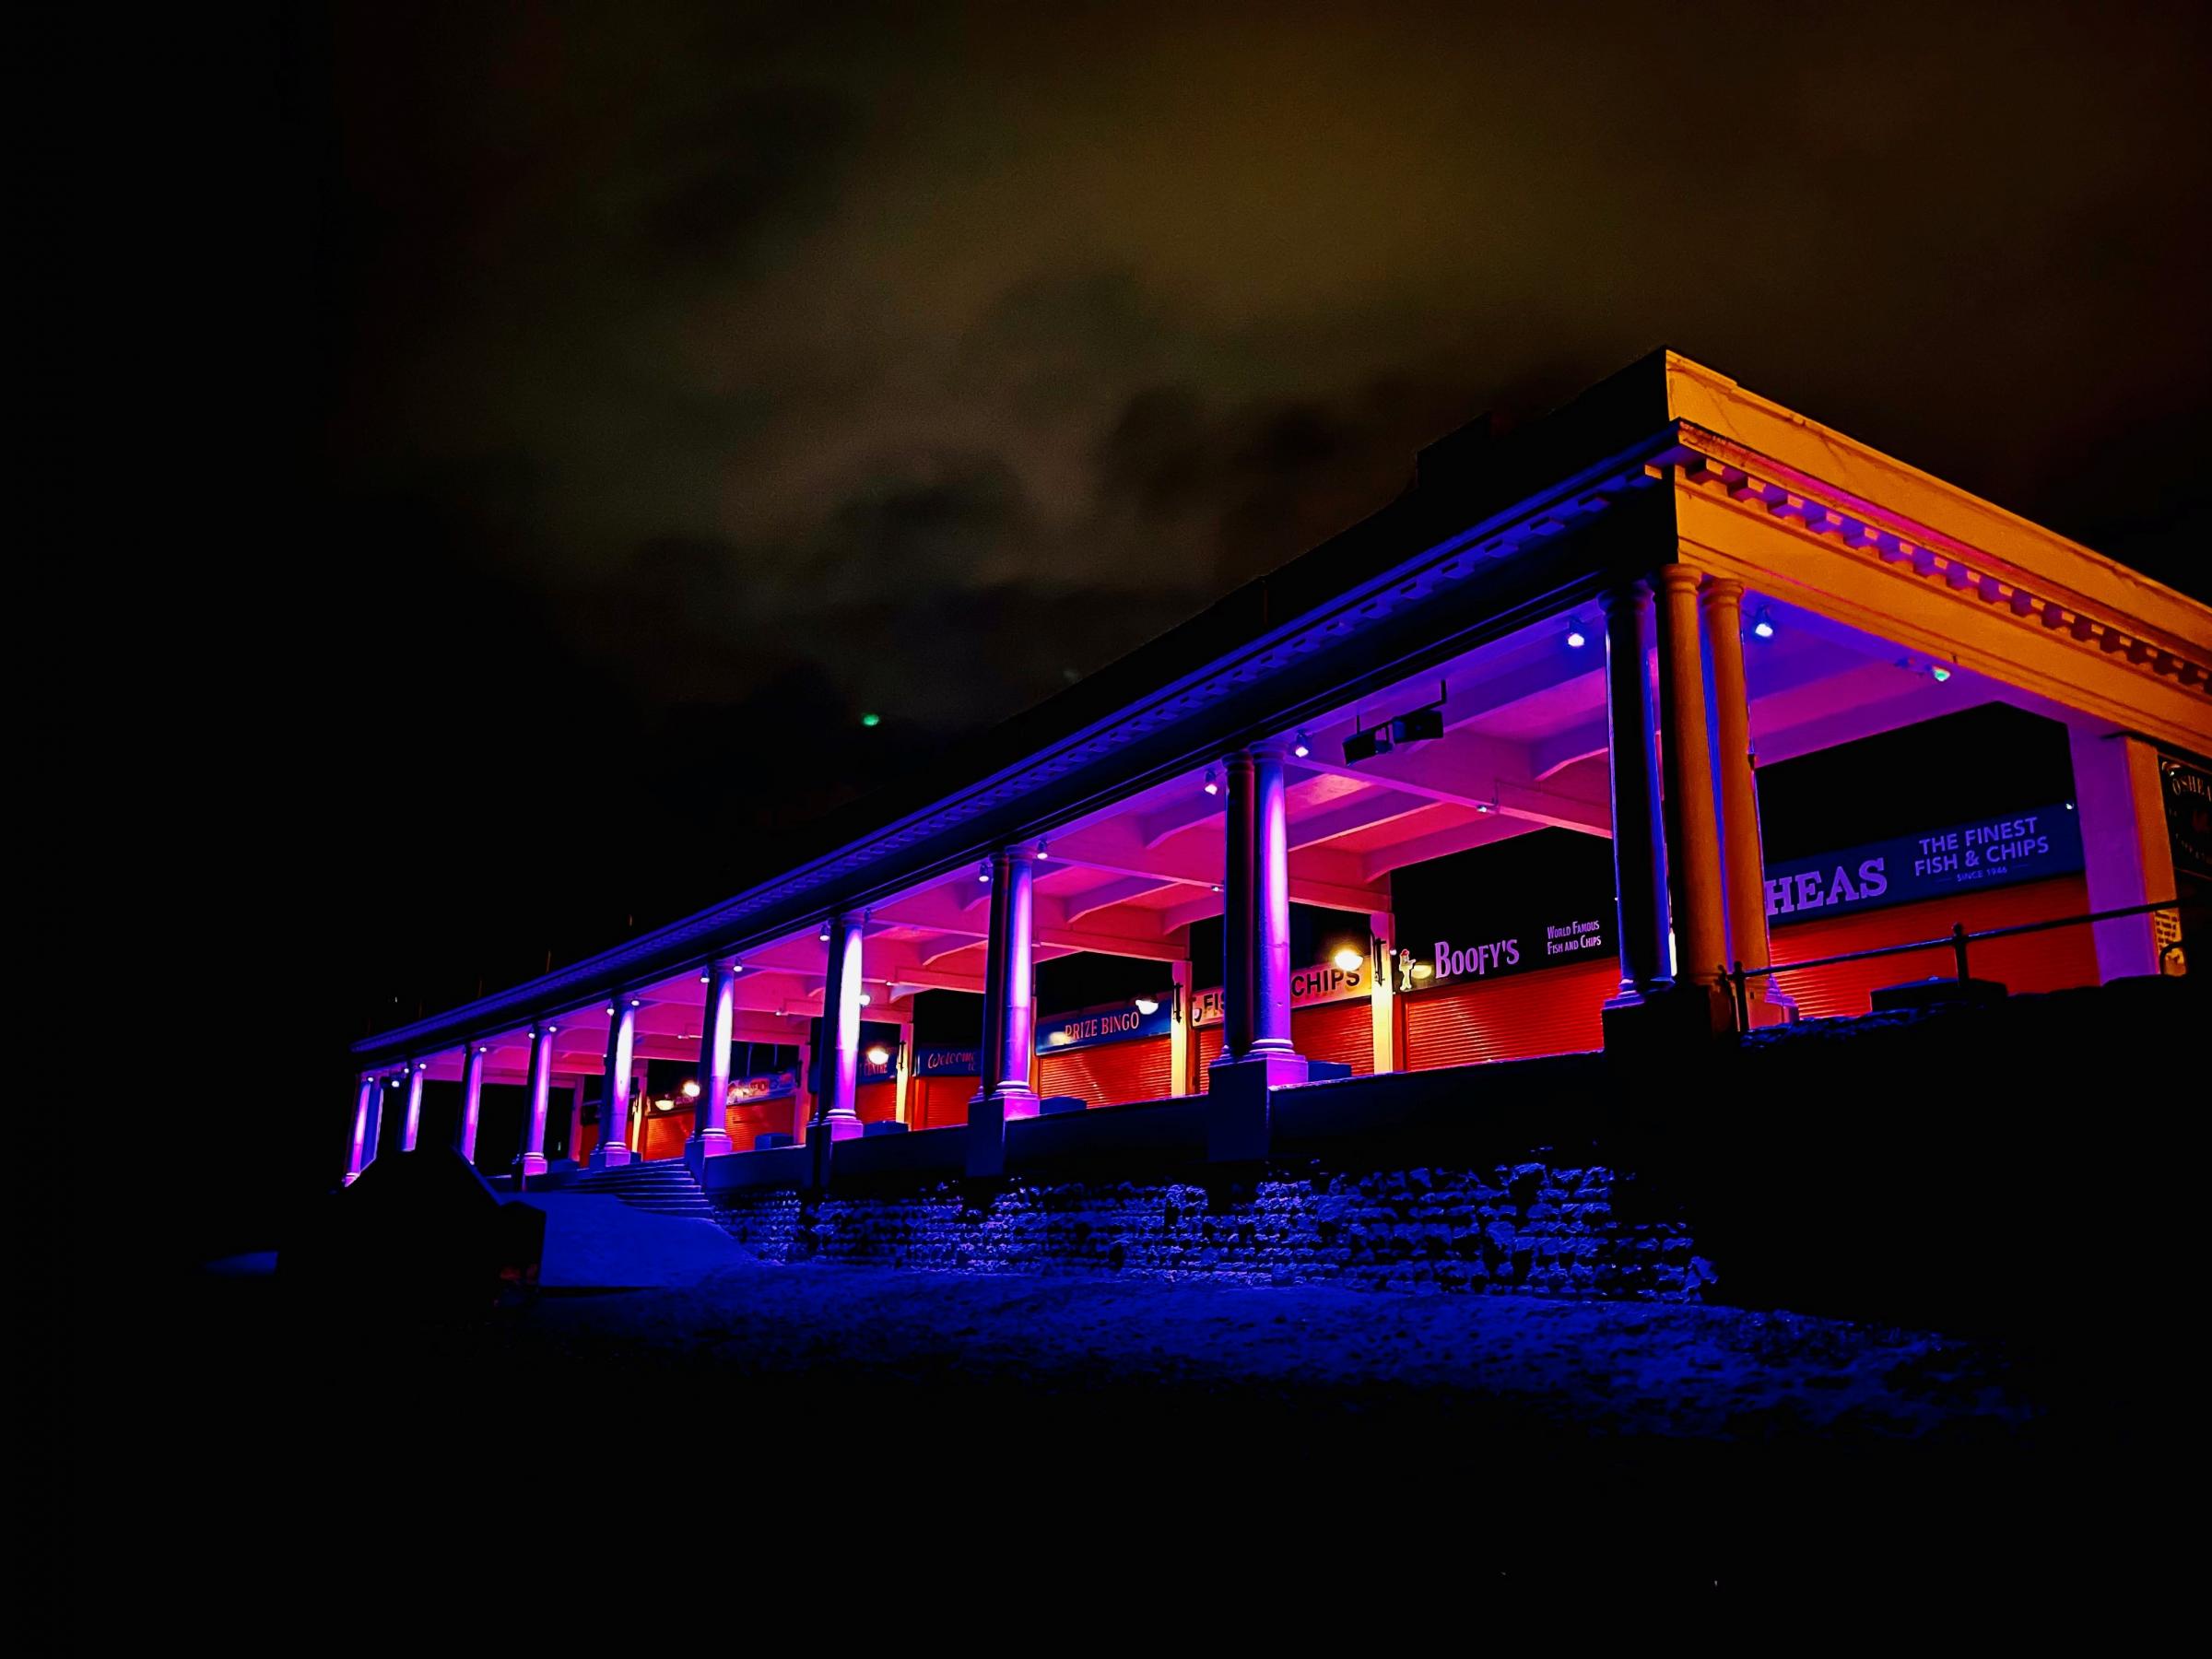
x=1349, y=959
x=1575, y=636
x=864, y=999
x=1763, y=624
x=610, y=1008
x=1212, y=785
x=1301, y=746
x=736, y=966
x=1486, y=807
x=824, y=934
x=691, y=1090
x=871, y=721
x=635, y=1003
x=880, y=1055
x=550, y=1029
x=983, y=871
x=1042, y=853
x=1939, y=672
x=1147, y=1006
x=1216, y=886
x=704, y=978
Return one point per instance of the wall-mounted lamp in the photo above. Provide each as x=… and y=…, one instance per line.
x=1576, y=637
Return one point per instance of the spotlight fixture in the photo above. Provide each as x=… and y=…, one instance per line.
x=864, y=999
x=1147, y=1006
x=1763, y=624
x=1484, y=808
x=824, y=934
x=635, y=1003
x=610, y=1008
x=1348, y=961
x=705, y=978
x=691, y=1090
x=1042, y=853
x=983, y=871
x=1301, y=746
x=1212, y=785
x=1366, y=745
x=1938, y=671
x=1216, y=886
x=1576, y=637
x=880, y=1055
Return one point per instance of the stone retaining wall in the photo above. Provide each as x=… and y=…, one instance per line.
x=1532, y=1227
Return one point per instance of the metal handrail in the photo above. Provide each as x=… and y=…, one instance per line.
x=1738, y=978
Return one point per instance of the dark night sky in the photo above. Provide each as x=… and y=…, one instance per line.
x=622, y=398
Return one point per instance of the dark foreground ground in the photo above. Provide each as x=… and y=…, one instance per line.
x=843, y=1455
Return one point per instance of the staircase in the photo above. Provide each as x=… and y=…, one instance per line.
x=665, y=1188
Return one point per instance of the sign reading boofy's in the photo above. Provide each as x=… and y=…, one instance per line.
x=2025, y=846
x=1537, y=942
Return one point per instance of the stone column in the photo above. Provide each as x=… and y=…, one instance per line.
x=412, y=1124
x=2127, y=854
x=472, y=1095
x=1382, y=989
x=613, y=1150
x=710, y=1122
x=1256, y=1050
x=1693, y=831
x=532, y=1158
x=364, y=1135
x=1743, y=863
x=1178, y=1033
x=1639, y=848
x=1003, y=1087
x=837, y=1109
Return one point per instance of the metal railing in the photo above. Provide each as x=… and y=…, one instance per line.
x=1738, y=978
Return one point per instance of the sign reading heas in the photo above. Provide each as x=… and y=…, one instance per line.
x=1108, y=1022
x=1326, y=982
x=2026, y=846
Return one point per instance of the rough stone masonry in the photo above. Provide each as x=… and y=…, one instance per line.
x=1529, y=1229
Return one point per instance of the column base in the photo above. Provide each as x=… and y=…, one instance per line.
x=609, y=1156
x=822, y=1136
x=1684, y=1014
x=715, y=1143
x=987, y=1118
x=1236, y=1104
x=530, y=1163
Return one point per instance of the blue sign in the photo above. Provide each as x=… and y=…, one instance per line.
x=935, y=1060
x=767, y=1085
x=1108, y=1022
x=2023, y=846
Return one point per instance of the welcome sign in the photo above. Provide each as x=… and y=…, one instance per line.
x=1993, y=851
x=768, y=1086
x=936, y=1060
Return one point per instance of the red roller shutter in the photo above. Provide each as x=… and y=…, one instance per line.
x=748, y=1118
x=1558, y=1011
x=939, y=1101
x=2039, y=961
x=878, y=1102
x=1209, y=1051
x=1342, y=1032
x=1110, y=1075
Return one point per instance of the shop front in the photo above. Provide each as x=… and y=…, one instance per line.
x=1110, y=1053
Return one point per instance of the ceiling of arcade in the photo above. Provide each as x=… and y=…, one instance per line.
x=1523, y=749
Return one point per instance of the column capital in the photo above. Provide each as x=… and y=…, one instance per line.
x=1017, y=853
x=1717, y=591
x=1628, y=594
x=1678, y=578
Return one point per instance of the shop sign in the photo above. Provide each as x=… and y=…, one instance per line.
x=2026, y=846
x=768, y=1086
x=1324, y=982
x=2188, y=792
x=1541, y=944
x=935, y=1060
x=1108, y=1022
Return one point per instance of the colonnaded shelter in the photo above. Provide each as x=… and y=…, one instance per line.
x=1672, y=683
